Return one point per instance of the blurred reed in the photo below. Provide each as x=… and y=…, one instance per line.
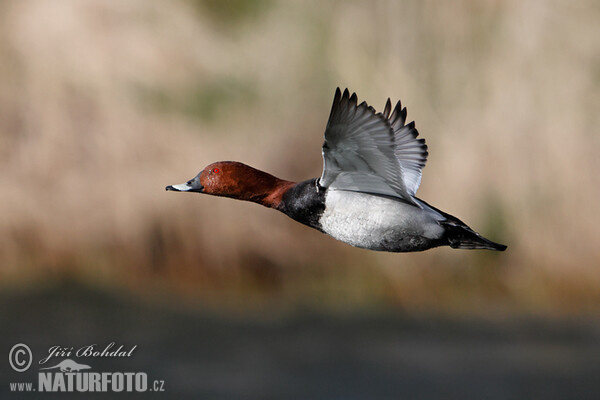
x=102, y=104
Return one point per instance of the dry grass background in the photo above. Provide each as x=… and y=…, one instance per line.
x=102, y=104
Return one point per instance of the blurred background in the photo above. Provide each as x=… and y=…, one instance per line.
x=103, y=104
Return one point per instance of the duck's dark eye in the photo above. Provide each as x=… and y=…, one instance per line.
x=216, y=170
x=189, y=183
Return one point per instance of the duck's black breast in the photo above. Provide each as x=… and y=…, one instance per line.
x=305, y=203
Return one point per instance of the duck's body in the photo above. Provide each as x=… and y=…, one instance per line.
x=366, y=194
x=362, y=220
x=388, y=225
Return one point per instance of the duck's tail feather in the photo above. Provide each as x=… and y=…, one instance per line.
x=460, y=236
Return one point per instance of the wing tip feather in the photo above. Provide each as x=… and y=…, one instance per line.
x=354, y=99
x=387, y=109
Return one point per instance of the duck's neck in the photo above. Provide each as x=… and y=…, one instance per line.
x=263, y=188
x=273, y=197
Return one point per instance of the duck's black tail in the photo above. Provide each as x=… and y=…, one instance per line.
x=460, y=236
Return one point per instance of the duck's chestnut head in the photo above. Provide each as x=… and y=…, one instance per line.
x=233, y=179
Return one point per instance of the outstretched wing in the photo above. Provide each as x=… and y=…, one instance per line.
x=410, y=152
x=360, y=151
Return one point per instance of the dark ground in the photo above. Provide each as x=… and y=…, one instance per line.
x=305, y=355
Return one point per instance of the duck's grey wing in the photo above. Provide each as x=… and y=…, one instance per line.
x=410, y=151
x=359, y=153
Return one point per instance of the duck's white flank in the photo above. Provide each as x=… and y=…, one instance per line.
x=368, y=221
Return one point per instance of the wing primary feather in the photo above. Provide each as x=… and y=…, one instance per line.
x=396, y=115
x=388, y=108
x=336, y=100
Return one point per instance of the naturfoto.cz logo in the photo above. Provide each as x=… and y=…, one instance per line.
x=71, y=376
